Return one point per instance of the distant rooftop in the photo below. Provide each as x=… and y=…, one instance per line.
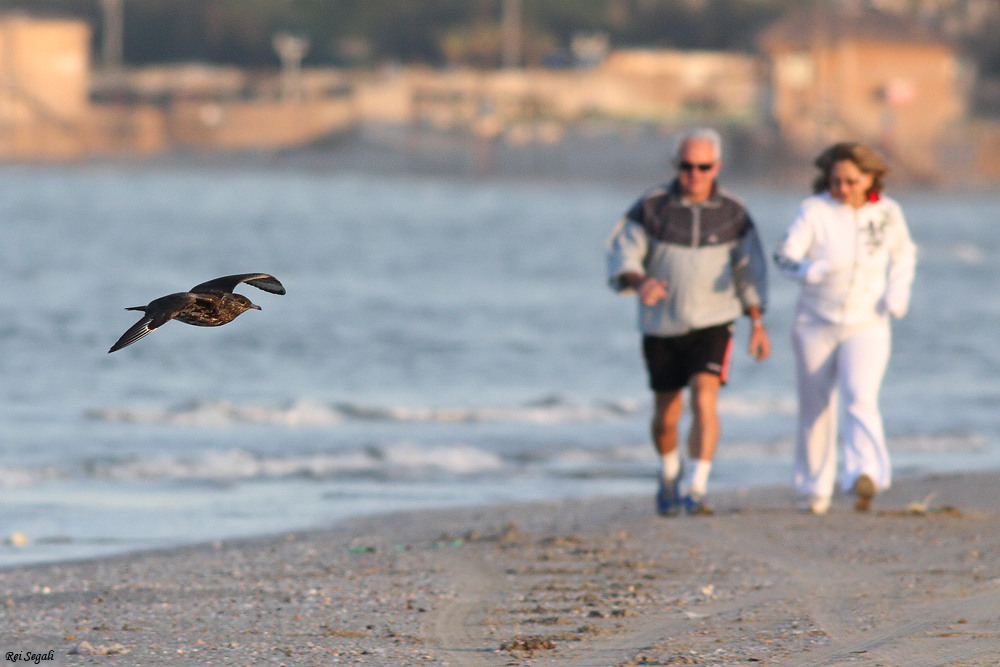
x=802, y=27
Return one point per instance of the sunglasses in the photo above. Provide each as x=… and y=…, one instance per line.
x=691, y=166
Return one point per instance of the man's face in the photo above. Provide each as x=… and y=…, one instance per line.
x=697, y=167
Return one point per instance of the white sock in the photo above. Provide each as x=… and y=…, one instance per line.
x=699, y=478
x=671, y=465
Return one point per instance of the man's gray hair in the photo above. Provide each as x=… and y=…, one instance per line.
x=700, y=134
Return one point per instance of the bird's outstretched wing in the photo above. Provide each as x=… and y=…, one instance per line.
x=157, y=313
x=263, y=281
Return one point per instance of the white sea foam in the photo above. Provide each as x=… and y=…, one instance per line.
x=967, y=253
x=414, y=460
x=407, y=460
x=756, y=406
x=235, y=464
x=224, y=413
x=315, y=414
x=459, y=459
x=19, y=478
x=944, y=442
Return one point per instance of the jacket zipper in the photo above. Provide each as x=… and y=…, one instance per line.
x=695, y=226
x=855, y=215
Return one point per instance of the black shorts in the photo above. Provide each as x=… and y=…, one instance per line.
x=672, y=361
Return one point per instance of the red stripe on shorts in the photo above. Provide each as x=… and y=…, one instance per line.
x=727, y=357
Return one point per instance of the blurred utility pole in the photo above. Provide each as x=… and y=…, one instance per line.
x=291, y=49
x=114, y=29
x=511, y=25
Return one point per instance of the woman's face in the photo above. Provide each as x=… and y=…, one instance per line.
x=848, y=184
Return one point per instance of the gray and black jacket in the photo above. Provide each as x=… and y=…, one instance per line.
x=708, y=252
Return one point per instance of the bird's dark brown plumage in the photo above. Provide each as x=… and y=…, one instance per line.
x=209, y=304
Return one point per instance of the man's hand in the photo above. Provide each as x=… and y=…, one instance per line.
x=652, y=291
x=760, y=342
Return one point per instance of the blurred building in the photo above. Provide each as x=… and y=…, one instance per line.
x=637, y=85
x=44, y=86
x=713, y=84
x=841, y=74
x=832, y=71
x=45, y=97
x=54, y=107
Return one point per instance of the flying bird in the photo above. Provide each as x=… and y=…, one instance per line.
x=209, y=304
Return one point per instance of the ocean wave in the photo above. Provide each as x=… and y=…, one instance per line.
x=224, y=413
x=19, y=478
x=318, y=414
x=309, y=413
x=405, y=460
x=967, y=253
x=757, y=406
x=400, y=460
x=943, y=442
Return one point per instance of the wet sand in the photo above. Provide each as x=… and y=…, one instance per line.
x=602, y=582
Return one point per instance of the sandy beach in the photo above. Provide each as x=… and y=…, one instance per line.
x=600, y=582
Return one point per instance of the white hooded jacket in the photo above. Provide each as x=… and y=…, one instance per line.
x=856, y=265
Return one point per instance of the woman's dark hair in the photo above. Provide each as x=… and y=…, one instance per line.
x=865, y=158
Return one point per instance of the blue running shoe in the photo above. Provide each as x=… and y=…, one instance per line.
x=696, y=506
x=668, y=497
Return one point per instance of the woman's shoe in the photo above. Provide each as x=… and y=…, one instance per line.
x=818, y=505
x=864, y=489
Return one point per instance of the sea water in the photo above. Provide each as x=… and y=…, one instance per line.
x=443, y=341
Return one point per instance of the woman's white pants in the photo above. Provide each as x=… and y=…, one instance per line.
x=840, y=364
